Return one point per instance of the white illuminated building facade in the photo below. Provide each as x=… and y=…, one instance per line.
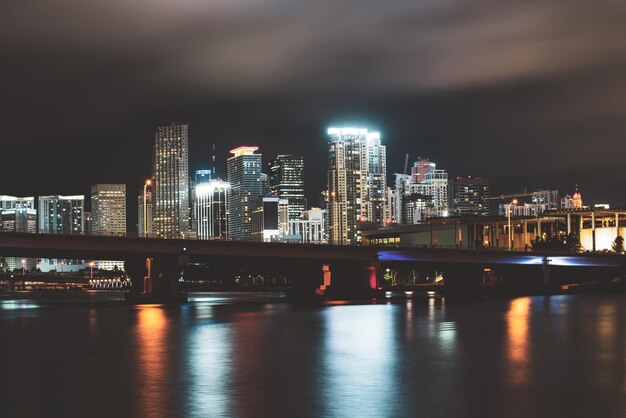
x=108, y=209
x=18, y=214
x=170, y=181
x=357, y=182
x=211, y=209
x=108, y=217
x=311, y=229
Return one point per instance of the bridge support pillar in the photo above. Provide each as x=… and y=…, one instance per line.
x=156, y=281
x=353, y=280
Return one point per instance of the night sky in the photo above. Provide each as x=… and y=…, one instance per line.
x=531, y=94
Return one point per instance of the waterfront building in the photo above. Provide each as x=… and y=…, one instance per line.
x=577, y=199
x=61, y=214
x=170, y=181
x=356, y=182
x=246, y=187
x=311, y=229
x=471, y=196
x=270, y=219
x=591, y=230
x=210, y=209
x=19, y=219
x=14, y=202
x=147, y=213
x=58, y=214
x=286, y=180
x=108, y=209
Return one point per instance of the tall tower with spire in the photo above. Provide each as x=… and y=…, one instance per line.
x=577, y=199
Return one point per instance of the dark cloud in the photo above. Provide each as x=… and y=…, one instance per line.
x=532, y=94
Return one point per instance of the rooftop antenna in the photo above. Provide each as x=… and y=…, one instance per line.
x=406, y=163
x=213, y=159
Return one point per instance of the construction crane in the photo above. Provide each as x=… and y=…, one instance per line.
x=510, y=196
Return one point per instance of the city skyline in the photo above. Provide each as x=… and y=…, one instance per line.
x=311, y=194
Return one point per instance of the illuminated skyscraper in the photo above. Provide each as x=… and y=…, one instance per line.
x=356, y=182
x=211, y=209
x=170, y=179
x=286, y=174
x=108, y=209
x=246, y=187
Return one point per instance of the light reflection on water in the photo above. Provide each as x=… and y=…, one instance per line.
x=271, y=358
x=517, y=326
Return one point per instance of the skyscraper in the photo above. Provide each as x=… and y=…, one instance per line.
x=61, y=214
x=286, y=176
x=170, y=172
x=471, y=196
x=108, y=209
x=211, y=209
x=376, y=169
x=246, y=187
x=356, y=182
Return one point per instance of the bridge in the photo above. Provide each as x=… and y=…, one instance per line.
x=155, y=265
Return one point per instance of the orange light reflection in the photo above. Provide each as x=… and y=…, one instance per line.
x=518, y=352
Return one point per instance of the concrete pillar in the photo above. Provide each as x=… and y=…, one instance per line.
x=593, y=230
x=569, y=223
x=474, y=237
x=538, y=228
x=526, y=244
x=616, y=224
x=353, y=280
x=497, y=236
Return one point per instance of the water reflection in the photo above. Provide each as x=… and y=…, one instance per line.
x=517, y=327
x=152, y=358
x=208, y=364
x=360, y=362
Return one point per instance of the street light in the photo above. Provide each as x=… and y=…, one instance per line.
x=91, y=264
x=145, y=209
x=508, y=216
x=23, y=265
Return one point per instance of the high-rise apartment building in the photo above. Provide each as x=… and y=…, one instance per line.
x=170, y=181
x=108, y=209
x=376, y=169
x=246, y=187
x=286, y=180
x=356, y=182
x=470, y=196
x=61, y=214
x=211, y=209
